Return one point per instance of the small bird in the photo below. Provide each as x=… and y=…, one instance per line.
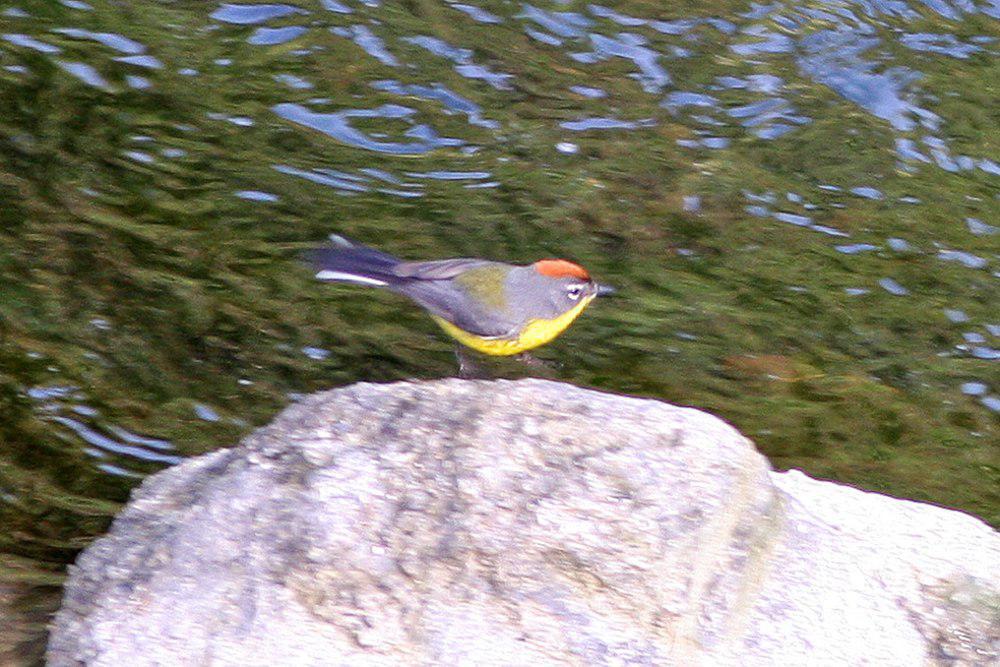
x=494, y=308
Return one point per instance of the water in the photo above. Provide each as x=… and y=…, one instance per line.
x=798, y=202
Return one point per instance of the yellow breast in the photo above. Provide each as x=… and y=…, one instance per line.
x=534, y=333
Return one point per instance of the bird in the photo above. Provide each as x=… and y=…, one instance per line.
x=491, y=307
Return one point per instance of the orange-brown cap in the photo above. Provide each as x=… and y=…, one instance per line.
x=560, y=268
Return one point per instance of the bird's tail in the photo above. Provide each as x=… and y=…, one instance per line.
x=350, y=262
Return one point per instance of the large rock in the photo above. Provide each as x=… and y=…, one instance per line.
x=520, y=523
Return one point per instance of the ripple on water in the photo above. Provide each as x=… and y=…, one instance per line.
x=899, y=245
x=867, y=193
x=980, y=228
x=139, y=156
x=946, y=44
x=955, y=315
x=462, y=59
x=257, y=195
x=833, y=58
x=855, y=248
x=543, y=37
x=371, y=43
x=679, y=99
x=563, y=24
x=348, y=184
x=271, y=36
x=206, y=413
x=441, y=48
x=584, y=124
x=893, y=287
x=27, y=42
x=104, y=440
x=621, y=19
x=477, y=14
x=652, y=76
x=836, y=48
x=451, y=175
x=436, y=92
x=149, y=62
x=705, y=142
x=337, y=126
x=768, y=42
x=966, y=259
x=315, y=353
x=252, y=14
x=292, y=81
x=796, y=219
x=974, y=388
x=335, y=6
x=344, y=183
x=85, y=73
x=112, y=40
x=678, y=27
x=588, y=92
x=762, y=115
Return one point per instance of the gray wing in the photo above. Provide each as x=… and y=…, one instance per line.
x=430, y=285
x=441, y=269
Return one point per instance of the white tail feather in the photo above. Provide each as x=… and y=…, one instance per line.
x=338, y=240
x=350, y=278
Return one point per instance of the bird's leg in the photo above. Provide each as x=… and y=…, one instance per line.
x=468, y=369
x=534, y=362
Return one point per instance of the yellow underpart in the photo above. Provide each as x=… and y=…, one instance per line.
x=534, y=333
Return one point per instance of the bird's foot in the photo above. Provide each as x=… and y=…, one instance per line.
x=534, y=362
x=468, y=367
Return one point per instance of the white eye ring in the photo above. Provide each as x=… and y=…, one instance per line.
x=574, y=291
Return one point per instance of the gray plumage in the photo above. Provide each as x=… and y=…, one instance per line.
x=488, y=299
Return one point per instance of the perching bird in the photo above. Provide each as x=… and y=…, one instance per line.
x=494, y=308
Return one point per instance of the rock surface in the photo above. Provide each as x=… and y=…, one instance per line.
x=520, y=523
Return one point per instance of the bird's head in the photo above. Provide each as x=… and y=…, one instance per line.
x=568, y=284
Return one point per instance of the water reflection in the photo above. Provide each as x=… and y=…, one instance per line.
x=112, y=40
x=463, y=61
x=584, y=124
x=251, y=14
x=86, y=73
x=477, y=14
x=652, y=76
x=31, y=43
x=274, y=36
x=257, y=195
x=115, y=450
x=149, y=62
x=337, y=126
x=367, y=40
x=813, y=182
x=344, y=183
x=452, y=101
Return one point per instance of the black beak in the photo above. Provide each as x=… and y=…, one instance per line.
x=606, y=290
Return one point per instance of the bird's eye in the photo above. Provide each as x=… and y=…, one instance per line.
x=574, y=291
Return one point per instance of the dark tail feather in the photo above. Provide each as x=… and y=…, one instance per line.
x=346, y=261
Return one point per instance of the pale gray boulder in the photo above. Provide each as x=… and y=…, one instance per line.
x=520, y=523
